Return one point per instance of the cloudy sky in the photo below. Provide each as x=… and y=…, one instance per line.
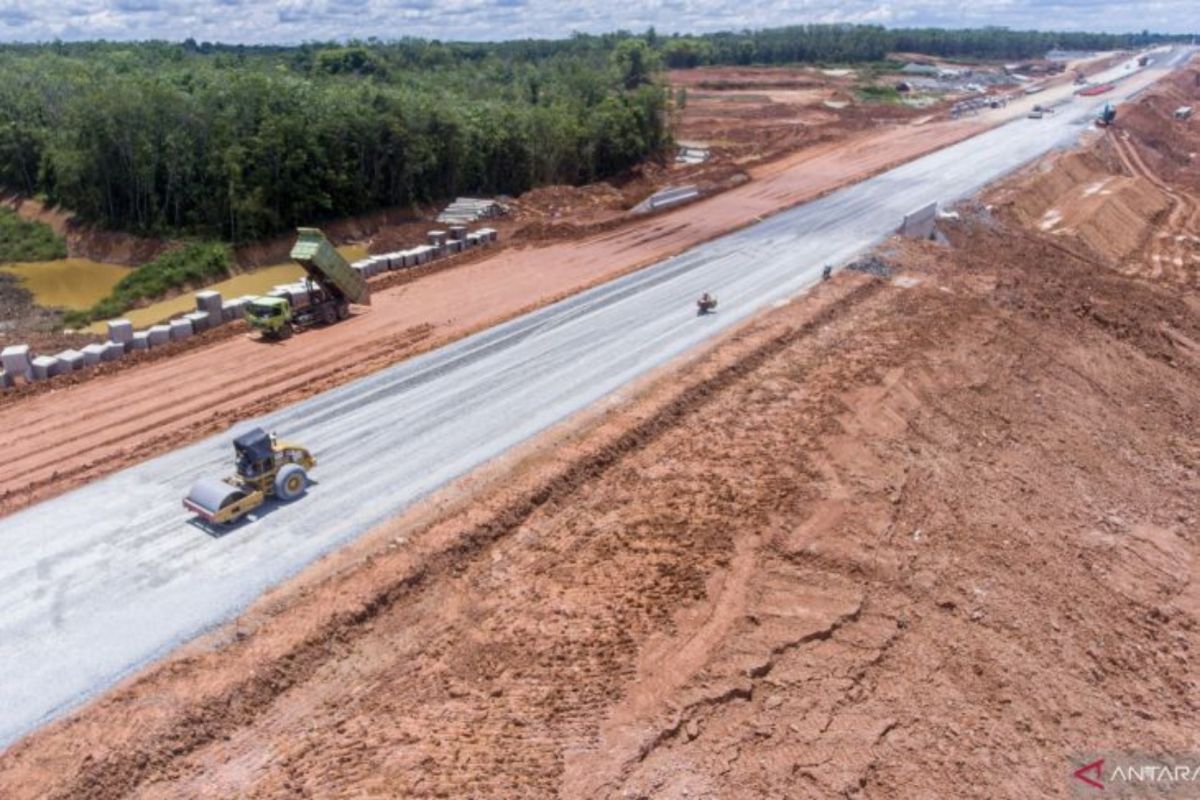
x=252, y=21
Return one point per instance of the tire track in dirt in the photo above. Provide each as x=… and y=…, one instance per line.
x=117, y=775
x=1167, y=254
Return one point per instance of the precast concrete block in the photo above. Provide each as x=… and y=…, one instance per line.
x=458, y=232
x=16, y=361
x=454, y=246
x=93, y=354
x=487, y=235
x=45, y=367
x=120, y=330
x=438, y=237
x=140, y=341
x=232, y=310
x=113, y=351
x=208, y=301
x=6, y=381
x=158, y=335
x=920, y=224
x=199, y=320
x=71, y=360
x=181, y=329
x=473, y=240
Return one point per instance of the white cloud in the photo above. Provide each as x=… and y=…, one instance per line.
x=255, y=21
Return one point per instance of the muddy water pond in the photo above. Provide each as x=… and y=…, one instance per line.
x=68, y=282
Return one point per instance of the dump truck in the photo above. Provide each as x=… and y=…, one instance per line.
x=324, y=296
x=266, y=467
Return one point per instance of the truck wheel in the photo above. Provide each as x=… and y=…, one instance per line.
x=343, y=310
x=285, y=331
x=290, y=482
x=329, y=315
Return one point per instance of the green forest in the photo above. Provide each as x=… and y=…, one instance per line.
x=239, y=142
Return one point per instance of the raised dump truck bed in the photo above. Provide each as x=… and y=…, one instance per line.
x=325, y=265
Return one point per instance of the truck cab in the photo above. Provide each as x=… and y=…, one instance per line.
x=271, y=315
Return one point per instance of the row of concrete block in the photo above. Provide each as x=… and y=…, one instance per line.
x=441, y=244
x=469, y=209
x=211, y=311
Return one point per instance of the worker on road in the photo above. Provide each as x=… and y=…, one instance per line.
x=827, y=273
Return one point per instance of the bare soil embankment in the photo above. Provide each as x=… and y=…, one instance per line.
x=895, y=537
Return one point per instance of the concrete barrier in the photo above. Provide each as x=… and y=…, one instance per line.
x=16, y=362
x=140, y=341
x=158, y=335
x=93, y=354
x=919, y=224
x=199, y=319
x=45, y=367
x=458, y=233
x=209, y=302
x=233, y=310
x=181, y=329
x=120, y=330
x=71, y=360
x=113, y=351
x=438, y=237
x=6, y=381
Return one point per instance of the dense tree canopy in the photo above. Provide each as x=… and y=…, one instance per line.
x=242, y=141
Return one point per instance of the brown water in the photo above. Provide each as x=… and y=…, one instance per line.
x=75, y=283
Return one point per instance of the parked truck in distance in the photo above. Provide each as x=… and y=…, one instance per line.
x=321, y=298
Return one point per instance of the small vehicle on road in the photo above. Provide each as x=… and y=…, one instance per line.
x=266, y=467
x=706, y=304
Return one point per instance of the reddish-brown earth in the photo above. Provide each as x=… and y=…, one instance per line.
x=928, y=536
x=137, y=412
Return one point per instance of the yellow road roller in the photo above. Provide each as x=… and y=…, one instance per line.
x=266, y=467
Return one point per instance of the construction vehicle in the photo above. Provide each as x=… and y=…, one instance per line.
x=1106, y=116
x=323, y=297
x=266, y=468
x=705, y=304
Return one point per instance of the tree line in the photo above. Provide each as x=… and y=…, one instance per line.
x=239, y=142
x=242, y=143
x=865, y=43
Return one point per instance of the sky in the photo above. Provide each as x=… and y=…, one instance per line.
x=291, y=21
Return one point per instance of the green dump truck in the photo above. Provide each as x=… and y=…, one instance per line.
x=323, y=297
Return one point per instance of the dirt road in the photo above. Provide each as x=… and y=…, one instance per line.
x=898, y=536
x=50, y=446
